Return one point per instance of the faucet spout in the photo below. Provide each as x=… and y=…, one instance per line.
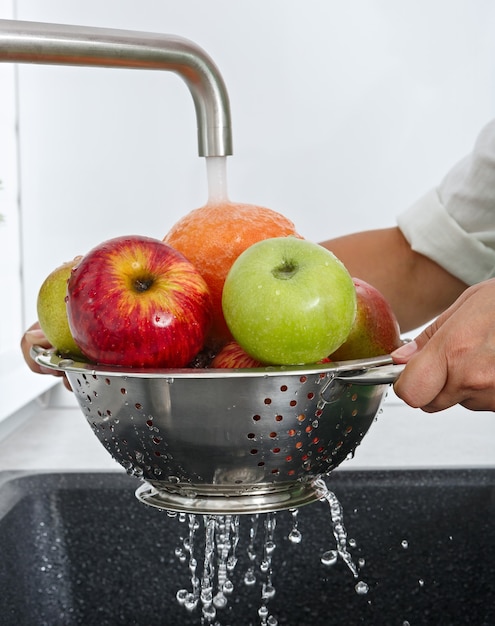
x=56, y=44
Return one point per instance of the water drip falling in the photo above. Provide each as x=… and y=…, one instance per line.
x=340, y=534
x=295, y=535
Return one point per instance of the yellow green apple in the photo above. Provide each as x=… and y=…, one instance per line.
x=52, y=310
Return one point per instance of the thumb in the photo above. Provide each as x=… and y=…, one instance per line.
x=408, y=349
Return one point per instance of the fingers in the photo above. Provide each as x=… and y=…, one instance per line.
x=34, y=336
x=423, y=380
x=453, y=360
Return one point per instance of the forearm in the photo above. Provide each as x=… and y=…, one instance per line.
x=417, y=288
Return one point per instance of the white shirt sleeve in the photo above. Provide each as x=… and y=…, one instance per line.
x=454, y=224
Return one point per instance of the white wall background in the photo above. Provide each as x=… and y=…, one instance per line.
x=343, y=114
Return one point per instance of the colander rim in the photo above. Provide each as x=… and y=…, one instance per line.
x=50, y=359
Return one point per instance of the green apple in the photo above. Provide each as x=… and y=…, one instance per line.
x=52, y=310
x=288, y=301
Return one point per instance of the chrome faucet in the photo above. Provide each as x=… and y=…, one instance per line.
x=56, y=44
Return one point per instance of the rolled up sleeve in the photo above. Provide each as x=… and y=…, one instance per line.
x=454, y=224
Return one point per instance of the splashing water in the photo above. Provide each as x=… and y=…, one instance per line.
x=211, y=590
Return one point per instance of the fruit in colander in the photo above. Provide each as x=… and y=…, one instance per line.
x=289, y=301
x=213, y=236
x=52, y=312
x=233, y=356
x=375, y=330
x=135, y=301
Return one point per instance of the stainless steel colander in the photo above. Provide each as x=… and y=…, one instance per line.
x=229, y=441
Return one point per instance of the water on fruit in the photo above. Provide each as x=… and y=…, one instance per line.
x=216, y=172
x=212, y=559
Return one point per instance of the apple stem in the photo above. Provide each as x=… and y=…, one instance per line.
x=285, y=271
x=142, y=284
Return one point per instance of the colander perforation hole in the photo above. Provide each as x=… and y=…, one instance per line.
x=293, y=403
x=251, y=436
x=283, y=388
x=267, y=400
x=256, y=418
x=279, y=418
x=273, y=434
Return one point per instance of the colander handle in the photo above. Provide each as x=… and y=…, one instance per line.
x=380, y=375
x=374, y=371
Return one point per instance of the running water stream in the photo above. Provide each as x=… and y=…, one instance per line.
x=216, y=172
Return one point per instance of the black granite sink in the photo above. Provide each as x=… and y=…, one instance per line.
x=80, y=549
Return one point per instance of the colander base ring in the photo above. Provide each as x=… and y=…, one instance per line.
x=296, y=495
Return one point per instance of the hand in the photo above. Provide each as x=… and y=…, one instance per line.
x=34, y=336
x=453, y=360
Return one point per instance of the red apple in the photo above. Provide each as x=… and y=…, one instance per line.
x=136, y=302
x=233, y=356
x=375, y=330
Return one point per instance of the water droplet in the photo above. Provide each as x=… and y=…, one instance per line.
x=220, y=601
x=268, y=591
x=405, y=544
x=361, y=588
x=421, y=582
x=295, y=536
x=182, y=595
x=249, y=578
x=228, y=586
x=191, y=602
x=329, y=557
x=270, y=547
x=209, y=612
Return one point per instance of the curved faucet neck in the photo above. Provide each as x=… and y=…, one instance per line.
x=56, y=44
